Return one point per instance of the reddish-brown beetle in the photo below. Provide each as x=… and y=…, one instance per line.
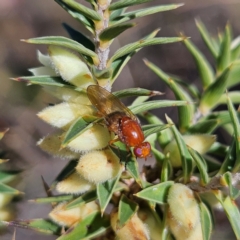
x=120, y=120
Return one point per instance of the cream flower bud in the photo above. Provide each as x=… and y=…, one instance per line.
x=153, y=225
x=71, y=68
x=184, y=213
x=134, y=229
x=68, y=95
x=74, y=184
x=52, y=144
x=63, y=114
x=96, y=137
x=99, y=166
x=199, y=142
x=72, y=216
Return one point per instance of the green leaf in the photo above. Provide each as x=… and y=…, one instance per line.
x=129, y=92
x=77, y=128
x=83, y=199
x=201, y=165
x=233, y=192
x=88, y=23
x=132, y=168
x=233, y=78
x=79, y=37
x=118, y=64
x=64, y=42
x=224, y=52
x=229, y=160
x=157, y=193
x=204, y=68
x=117, y=13
x=236, y=127
x=233, y=215
x=40, y=225
x=214, y=92
x=206, y=126
x=127, y=208
x=144, y=12
x=105, y=191
x=154, y=128
x=113, y=31
x=207, y=38
x=185, y=113
x=4, y=189
x=233, y=95
x=130, y=48
x=44, y=80
x=126, y=3
x=165, y=169
x=206, y=221
x=164, y=137
x=143, y=107
x=87, y=12
x=90, y=227
x=53, y=199
x=235, y=48
x=7, y=176
x=187, y=164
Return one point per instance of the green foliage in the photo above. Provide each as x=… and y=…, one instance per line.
x=187, y=156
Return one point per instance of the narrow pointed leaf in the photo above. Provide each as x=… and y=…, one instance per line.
x=207, y=126
x=136, y=92
x=88, y=23
x=235, y=48
x=187, y=164
x=236, y=127
x=204, y=68
x=143, y=107
x=201, y=165
x=83, y=199
x=234, y=75
x=90, y=227
x=144, y=12
x=78, y=127
x=116, y=13
x=165, y=169
x=7, y=176
x=40, y=225
x=233, y=95
x=185, y=113
x=4, y=189
x=79, y=37
x=130, y=48
x=113, y=31
x=118, y=64
x=126, y=3
x=206, y=221
x=214, y=92
x=127, y=208
x=132, y=168
x=87, y=12
x=64, y=42
x=157, y=193
x=105, y=191
x=233, y=215
x=44, y=80
x=207, y=38
x=155, y=129
x=53, y=199
x=224, y=52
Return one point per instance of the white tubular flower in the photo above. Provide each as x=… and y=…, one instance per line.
x=70, y=67
x=52, y=145
x=74, y=184
x=63, y=114
x=199, y=142
x=184, y=213
x=134, y=228
x=99, y=166
x=95, y=138
x=73, y=216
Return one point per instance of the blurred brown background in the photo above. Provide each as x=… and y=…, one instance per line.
x=23, y=19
